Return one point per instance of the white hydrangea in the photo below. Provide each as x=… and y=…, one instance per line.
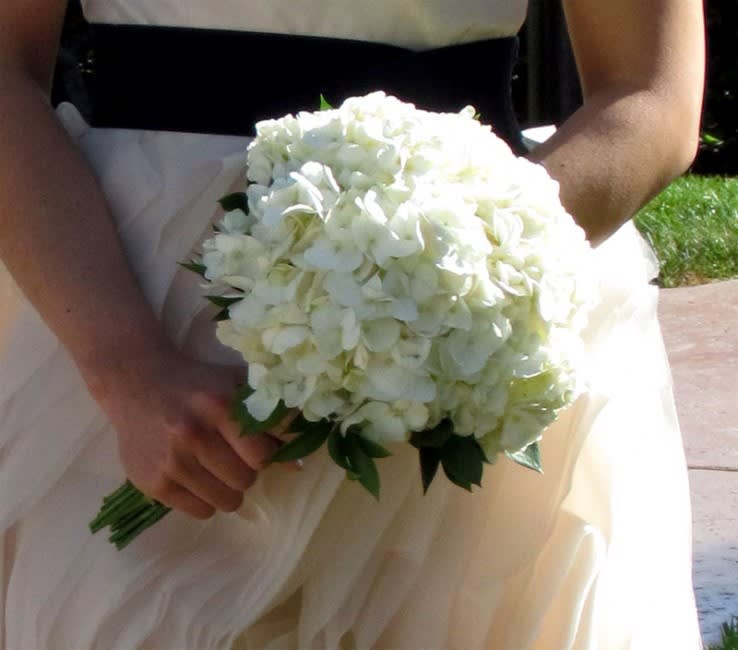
x=398, y=267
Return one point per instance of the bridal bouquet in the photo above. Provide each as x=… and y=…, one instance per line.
x=399, y=276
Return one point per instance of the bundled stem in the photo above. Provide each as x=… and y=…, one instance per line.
x=127, y=512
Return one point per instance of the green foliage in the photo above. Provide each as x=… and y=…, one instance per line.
x=529, y=457
x=222, y=301
x=719, y=146
x=363, y=467
x=309, y=440
x=461, y=457
x=235, y=201
x=249, y=424
x=462, y=461
x=195, y=267
x=693, y=228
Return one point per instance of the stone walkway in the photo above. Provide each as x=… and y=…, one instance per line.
x=700, y=326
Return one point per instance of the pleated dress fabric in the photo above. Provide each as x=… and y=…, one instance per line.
x=595, y=554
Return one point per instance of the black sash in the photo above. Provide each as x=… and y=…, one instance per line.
x=221, y=81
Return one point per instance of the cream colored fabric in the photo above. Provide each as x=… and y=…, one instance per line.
x=592, y=555
x=417, y=24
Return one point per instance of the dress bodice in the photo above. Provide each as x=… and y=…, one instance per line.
x=416, y=24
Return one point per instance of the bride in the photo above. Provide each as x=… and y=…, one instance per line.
x=108, y=366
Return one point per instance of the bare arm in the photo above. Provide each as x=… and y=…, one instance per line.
x=59, y=242
x=641, y=64
x=56, y=235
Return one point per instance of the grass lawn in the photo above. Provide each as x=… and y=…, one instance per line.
x=693, y=227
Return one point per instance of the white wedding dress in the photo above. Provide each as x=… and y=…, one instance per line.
x=595, y=554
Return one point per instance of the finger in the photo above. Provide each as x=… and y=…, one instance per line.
x=222, y=461
x=177, y=497
x=190, y=474
x=282, y=433
x=282, y=430
x=254, y=450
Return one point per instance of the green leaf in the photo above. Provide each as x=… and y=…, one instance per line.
x=710, y=139
x=363, y=465
x=235, y=201
x=458, y=481
x=302, y=445
x=373, y=449
x=300, y=424
x=249, y=424
x=337, y=450
x=463, y=460
x=436, y=437
x=222, y=301
x=238, y=408
x=324, y=105
x=529, y=457
x=195, y=267
x=430, y=459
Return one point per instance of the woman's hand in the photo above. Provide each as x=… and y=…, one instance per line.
x=177, y=441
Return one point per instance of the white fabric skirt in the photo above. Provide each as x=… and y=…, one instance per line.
x=594, y=554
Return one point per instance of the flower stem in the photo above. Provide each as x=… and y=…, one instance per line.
x=148, y=518
x=127, y=512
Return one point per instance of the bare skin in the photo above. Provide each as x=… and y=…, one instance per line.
x=641, y=63
x=176, y=440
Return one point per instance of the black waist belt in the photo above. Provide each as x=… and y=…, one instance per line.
x=220, y=81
